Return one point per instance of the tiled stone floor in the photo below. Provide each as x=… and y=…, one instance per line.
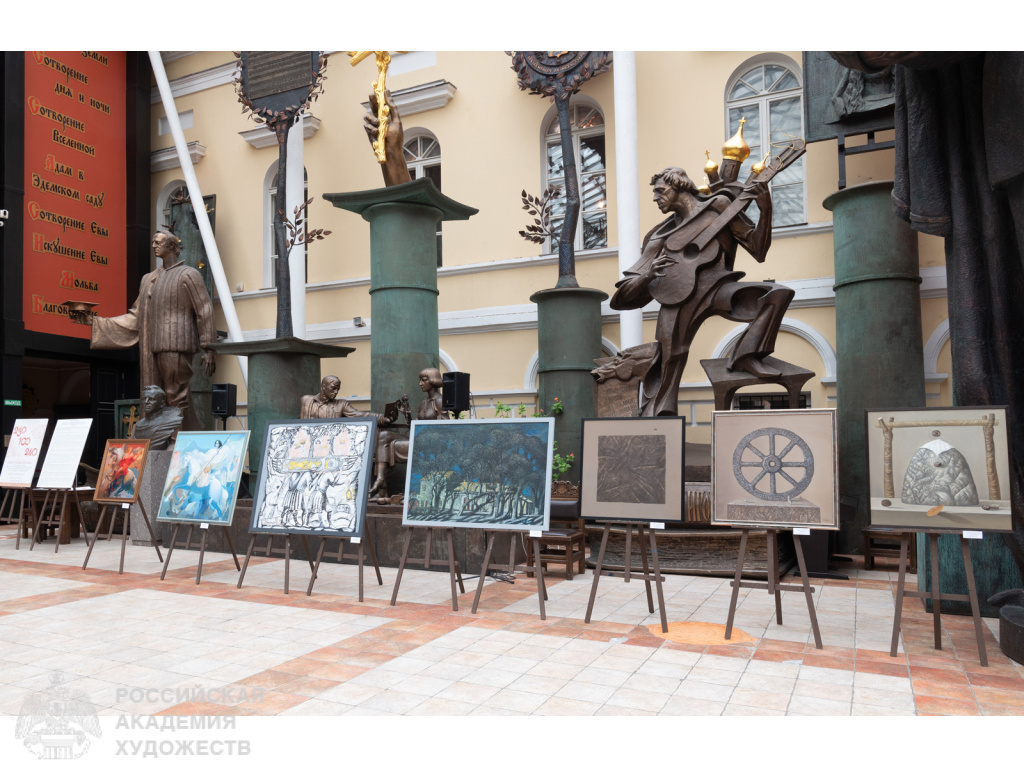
x=329, y=654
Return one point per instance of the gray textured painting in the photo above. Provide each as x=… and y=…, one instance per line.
x=631, y=469
x=939, y=474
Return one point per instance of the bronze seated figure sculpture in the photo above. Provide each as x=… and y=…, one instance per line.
x=392, y=446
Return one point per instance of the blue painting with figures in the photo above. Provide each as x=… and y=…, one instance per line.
x=203, y=478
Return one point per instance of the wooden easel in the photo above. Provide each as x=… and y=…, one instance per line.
x=202, y=545
x=453, y=564
x=269, y=550
x=10, y=494
x=126, y=508
x=62, y=521
x=537, y=568
x=628, y=573
x=774, y=585
x=936, y=595
x=365, y=541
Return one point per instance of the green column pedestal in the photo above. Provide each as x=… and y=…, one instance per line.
x=281, y=371
x=403, y=281
x=879, y=352
x=568, y=341
x=994, y=571
x=193, y=253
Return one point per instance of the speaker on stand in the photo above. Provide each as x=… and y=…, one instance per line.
x=224, y=402
x=455, y=392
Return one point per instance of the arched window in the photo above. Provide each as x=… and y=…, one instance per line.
x=269, y=209
x=588, y=147
x=163, y=203
x=770, y=96
x=423, y=158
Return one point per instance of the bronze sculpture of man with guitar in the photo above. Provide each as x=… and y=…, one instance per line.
x=686, y=265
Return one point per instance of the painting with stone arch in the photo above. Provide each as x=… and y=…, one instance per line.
x=633, y=469
x=775, y=469
x=314, y=477
x=480, y=473
x=203, y=477
x=939, y=468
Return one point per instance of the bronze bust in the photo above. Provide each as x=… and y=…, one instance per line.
x=160, y=422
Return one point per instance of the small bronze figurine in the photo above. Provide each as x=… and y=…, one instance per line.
x=171, y=320
x=160, y=422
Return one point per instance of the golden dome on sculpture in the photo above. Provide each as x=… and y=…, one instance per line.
x=711, y=167
x=736, y=148
x=757, y=168
x=705, y=188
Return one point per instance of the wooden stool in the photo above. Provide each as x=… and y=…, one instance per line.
x=563, y=546
x=872, y=550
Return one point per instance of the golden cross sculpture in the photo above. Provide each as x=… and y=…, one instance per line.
x=130, y=420
x=383, y=59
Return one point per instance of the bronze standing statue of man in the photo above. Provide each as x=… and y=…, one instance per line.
x=171, y=320
x=686, y=264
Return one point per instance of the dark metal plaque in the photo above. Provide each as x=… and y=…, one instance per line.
x=546, y=72
x=837, y=99
x=278, y=79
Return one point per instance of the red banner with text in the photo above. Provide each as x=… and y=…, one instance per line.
x=75, y=187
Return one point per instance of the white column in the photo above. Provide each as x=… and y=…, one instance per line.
x=202, y=218
x=627, y=185
x=296, y=196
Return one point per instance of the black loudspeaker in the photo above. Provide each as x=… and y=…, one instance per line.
x=224, y=400
x=455, y=391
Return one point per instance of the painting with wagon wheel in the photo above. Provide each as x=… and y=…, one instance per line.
x=480, y=473
x=774, y=469
x=203, y=477
x=315, y=477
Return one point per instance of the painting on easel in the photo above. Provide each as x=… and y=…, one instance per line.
x=939, y=468
x=315, y=477
x=480, y=473
x=203, y=477
x=774, y=469
x=632, y=469
x=120, y=477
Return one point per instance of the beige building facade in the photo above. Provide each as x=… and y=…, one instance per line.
x=468, y=125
